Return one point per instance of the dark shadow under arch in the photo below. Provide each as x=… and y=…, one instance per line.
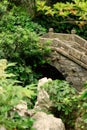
x=49, y=71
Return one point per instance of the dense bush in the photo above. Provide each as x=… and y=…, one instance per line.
x=11, y=94
x=82, y=113
x=3, y=7
x=19, y=41
x=64, y=101
x=67, y=103
x=63, y=17
x=15, y=16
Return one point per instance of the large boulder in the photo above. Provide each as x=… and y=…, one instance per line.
x=44, y=121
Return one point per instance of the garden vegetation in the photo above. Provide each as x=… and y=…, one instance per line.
x=21, y=52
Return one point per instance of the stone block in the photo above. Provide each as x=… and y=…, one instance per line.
x=80, y=40
x=84, y=59
x=85, y=45
x=75, y=53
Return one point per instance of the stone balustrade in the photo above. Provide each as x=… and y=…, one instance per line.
x=69, y=51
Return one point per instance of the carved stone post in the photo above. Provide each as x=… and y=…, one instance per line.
x=51, y=32
x=73, y=32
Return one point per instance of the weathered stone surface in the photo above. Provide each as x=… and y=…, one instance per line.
x=43, y=100
x=21, y=108
x=79, y=40
x=2, y=128
x=47, y=122
x=73, y=73
x=85, y=45
x=84, y=58
x=76, y=53
x=42, y=121
x=69, y=56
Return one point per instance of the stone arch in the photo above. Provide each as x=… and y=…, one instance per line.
x=69, y=56
x=73, y=73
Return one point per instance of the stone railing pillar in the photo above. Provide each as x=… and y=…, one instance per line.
x=73, y=32
x=51, y=32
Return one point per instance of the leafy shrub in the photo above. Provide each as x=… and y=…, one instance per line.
x=67, y=103
x=19, y=42
x=82, y=106
x=64, y=101
x=11, y=94
x=3, y=7
x=17, y=16
x=63, y=17
x=22, y=47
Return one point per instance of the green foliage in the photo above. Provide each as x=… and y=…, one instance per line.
x=67, y=103
x=18, y=16
x=64, y=100
x=77, y=9
x=63, y=17
x=3, y=7
x=11, y=94
x=61, y=94
x=19, y=42
x=28, y=5
x=21, y=47
x=83, y=107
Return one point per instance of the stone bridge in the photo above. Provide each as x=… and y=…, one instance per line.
x=68, y=56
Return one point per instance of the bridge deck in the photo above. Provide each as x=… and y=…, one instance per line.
x=70, y=45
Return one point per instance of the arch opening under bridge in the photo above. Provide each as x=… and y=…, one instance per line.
x=49, y=71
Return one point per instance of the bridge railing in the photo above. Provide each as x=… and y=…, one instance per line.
x=76, y=50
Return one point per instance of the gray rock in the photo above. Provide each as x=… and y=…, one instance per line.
x=68, y=55
x=2, y=128
x=42, y=121
x=43, y=99
x=47, y=122
x=21, y=108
